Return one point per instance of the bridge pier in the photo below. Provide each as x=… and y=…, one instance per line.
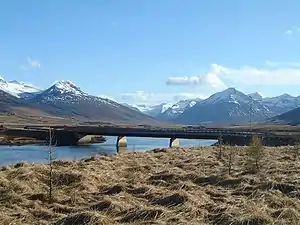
x=121, y=141
x=174, y=143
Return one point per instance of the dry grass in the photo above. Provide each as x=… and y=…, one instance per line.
x=184, y=186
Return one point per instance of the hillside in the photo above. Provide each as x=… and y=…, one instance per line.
x=291, y=117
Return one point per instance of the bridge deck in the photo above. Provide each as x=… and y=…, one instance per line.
x=184, y=133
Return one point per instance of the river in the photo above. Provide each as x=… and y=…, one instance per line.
x=39, y=154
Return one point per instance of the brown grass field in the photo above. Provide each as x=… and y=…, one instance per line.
x=163, y=186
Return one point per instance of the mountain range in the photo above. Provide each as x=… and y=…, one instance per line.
x=65, y=99
x=228, y=107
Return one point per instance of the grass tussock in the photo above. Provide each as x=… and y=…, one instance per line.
x=182, y=186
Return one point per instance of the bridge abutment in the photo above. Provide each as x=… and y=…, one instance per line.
x=174, y=143
x=121, y=141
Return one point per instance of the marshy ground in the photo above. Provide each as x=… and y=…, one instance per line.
x=163, y=186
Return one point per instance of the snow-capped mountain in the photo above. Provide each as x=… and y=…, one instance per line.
x=226, y=107
x=176, y=109
x=230, y=95
x=282, y=103
x=67, y=92
x=17, y=89
x=64, y=98
x=153, y=110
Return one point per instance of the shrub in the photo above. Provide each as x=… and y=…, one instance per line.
x=255, y=153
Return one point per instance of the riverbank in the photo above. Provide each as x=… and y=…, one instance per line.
x=163, y=186
x=18, y=141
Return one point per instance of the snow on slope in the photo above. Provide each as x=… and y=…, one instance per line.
x=180, y=107
x=230, y=95
x=16, y=88
x=152, y=110
x=282, y=101
x=66, y=87
x=67, y=92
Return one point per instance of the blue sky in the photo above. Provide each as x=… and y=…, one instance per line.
x=153, y=50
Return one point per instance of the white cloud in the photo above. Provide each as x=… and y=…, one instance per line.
x=284, y=75
x=288, y=32
x=210, y=79
x=253, y=76
x=142, y=97
x=31, y=64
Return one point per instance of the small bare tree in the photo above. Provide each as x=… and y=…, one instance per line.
x=51, y=161
x=255, y=153
x=220, y=142
x=230, y=157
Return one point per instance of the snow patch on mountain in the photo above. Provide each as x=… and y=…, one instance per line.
x=181, y=106
x=152, y=110
x=66, y=86
x=230, y=95
x=285, y=102
x=16, y=88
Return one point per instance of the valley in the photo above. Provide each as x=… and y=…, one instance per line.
x=65, y=103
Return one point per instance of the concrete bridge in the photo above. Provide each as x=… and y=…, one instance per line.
x=70, y=134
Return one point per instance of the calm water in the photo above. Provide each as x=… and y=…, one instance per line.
x=39, y=154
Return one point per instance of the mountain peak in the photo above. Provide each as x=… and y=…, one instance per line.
x=231, y=89
x=66, y=86
x=285, y=96
x=229, y=95
x=256, y=96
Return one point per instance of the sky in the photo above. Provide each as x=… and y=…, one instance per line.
x=152, y=51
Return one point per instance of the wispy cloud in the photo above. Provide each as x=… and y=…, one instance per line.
x=282, y=64
x=31, y=64
x=288, y=32
x=292, y=30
